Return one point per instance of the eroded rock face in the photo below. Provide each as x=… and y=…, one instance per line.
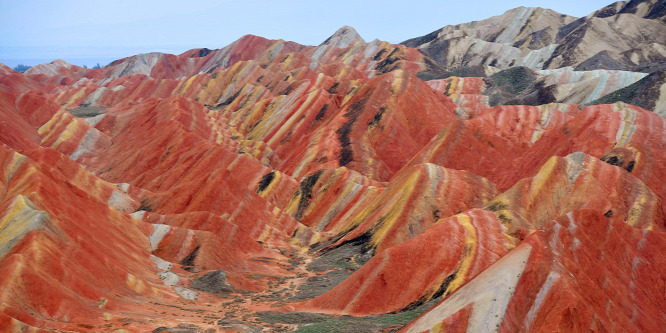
x=621, y=36
x=237, y=189
x=214, y=282
x=559, y=279
x=600, y=57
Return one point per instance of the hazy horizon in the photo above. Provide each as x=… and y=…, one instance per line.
x=87, y=33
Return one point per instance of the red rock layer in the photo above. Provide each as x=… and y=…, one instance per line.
x=231, y=162
x=580, y=272
x=433, y=263
x=412, y=203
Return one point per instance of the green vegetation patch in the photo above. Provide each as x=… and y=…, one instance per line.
x=625, y=94
x=513, y=80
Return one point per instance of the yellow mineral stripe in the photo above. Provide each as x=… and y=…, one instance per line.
x=22, y=184
x=362, y=215
x=452, y=85
x=288, y=125
x=508, y=226
x=453, y=81
x=15, y=162
x=348, y=188
x=310, y=155
x=546, y=115
x=54, y=130
x=440, y=142
x=349, y=55
x=633, y=218
x=243, y=70
x=187, y=85
x=291, y=207
x=536, y=136
x=316, y=238
x=340, y=203
x=352, y=92
x=458, y=87
x=68, y=133
x=523, y=32
x=49, y=125
x=490, y=185
x=389, y=218
x=342, y=73
x=267, y=54
x=255, y=94
x=76, y=96
x=60, y=97
x=469, y=252
x=540, y=179
x=265, y=234
x=437, y=328
x=397, y=81
x=627, y=127
x=276, y=180
x=136, y=284
x=318, y=82
x=287, y=61
x=260, y=131
x=211, y=89
x=637, y=157
x=241, y=118
x=21, y=217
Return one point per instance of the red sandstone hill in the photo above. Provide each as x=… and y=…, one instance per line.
x=273, y=186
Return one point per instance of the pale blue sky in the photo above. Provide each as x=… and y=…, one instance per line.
x=87, y=32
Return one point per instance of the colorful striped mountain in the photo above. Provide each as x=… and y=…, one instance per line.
x=351, y=186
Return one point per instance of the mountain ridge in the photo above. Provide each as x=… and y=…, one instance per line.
x=537, y=22
x=273, y=186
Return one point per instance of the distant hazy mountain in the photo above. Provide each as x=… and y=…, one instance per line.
x=570, y=60
x=624, y=36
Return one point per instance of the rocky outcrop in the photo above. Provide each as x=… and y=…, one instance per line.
x=569, y=60
x=621, y=36
x=560, y=278
x=648, y=93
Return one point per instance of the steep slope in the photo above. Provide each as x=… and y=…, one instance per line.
x=621, y=36
x=521, y=36
x=272, y=186
x=521, y=86
x=648, y=93
x=560, y=278
x=565, y=60
x=619, y=41
x=189, y=192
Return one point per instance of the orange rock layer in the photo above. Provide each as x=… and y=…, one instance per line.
x=162, y=189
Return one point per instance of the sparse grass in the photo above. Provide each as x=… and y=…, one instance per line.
x=292, y=318
x=404, y=318
x=313, y=322
x=513, y=80
x=625, y=94
x=332, y=326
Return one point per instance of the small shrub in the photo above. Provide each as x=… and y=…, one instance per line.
x=21, y=68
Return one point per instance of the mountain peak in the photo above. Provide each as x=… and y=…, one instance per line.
x=344, y=37
x=49, y=69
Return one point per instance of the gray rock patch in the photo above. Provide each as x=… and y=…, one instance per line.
x=214, y=282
